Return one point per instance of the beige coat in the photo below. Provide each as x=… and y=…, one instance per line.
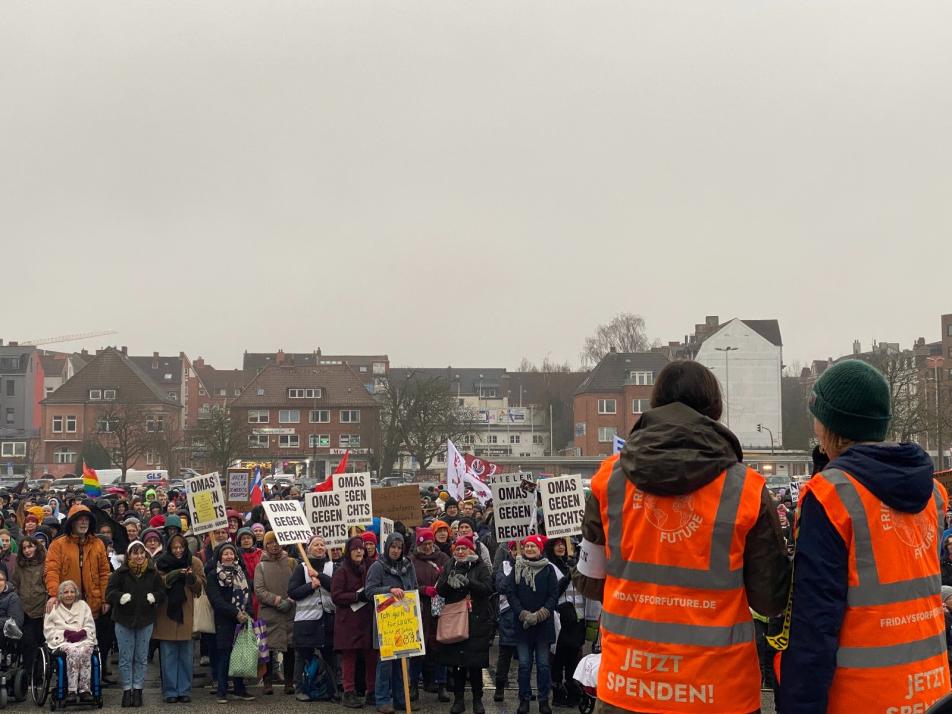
x=61, y=618
x=168, y=629
x=271, y=582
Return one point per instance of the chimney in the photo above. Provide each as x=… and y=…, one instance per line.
x=712, y=321
x=124, y=350
x=84, y=352
x=199, y=362
x=279, y=357
x=14, y=343
x=155, y=360
x=857, y=348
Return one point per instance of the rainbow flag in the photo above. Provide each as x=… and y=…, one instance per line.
x=91, y=482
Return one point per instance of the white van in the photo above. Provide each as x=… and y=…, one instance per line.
x=136, y=477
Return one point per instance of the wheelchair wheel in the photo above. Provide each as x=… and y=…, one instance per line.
x=21, y=682
x=3, y=695
x=40, y=678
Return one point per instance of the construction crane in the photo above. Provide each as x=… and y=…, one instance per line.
x=68, y=338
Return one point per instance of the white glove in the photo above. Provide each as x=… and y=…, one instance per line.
x=151, y=598
x=125, y=599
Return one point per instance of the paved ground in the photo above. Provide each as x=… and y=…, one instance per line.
x=203, y=700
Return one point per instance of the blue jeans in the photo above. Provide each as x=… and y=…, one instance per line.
x=176, y=667
x=133, y=655
x=419, y=664
x=220, y=659
x=539, y=651
x=389, y=686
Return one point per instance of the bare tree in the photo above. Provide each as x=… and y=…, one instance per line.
x=548, y=365
x=624, y=333
x=903, y=377
x=224, y=437
x=168, y=441
x=122, y=430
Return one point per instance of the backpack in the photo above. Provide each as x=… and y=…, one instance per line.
x=317, y=681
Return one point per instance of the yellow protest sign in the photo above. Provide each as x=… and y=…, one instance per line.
x=205, y=506
x=399, y=625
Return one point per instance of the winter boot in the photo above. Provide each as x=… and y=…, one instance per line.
x=414, y=691
x=137, y=697
x=459, y=705
x=478, y=707
x=544, y=707
x=268, y=687
x=560, y=695
x=126, y=698
x=441, y=694
x=352, y=701
x=500, y=694
x=523, y=707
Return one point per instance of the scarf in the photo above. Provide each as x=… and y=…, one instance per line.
x=527, y=570
x=138, y=569
x=232, y=576
x=176, y=595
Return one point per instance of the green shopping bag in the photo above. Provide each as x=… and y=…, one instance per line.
x=244, y=653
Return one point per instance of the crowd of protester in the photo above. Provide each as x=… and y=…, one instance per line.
x=125, y=573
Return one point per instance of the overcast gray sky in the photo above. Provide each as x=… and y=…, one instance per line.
x=469, y=183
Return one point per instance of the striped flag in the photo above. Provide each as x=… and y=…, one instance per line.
x=617, y=445
x=257, y=493
x=91, y=482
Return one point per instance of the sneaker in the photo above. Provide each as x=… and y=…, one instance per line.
x=244, y=696
x=352, y=701
x=222, y=700
x=302, y=697
x=185, y=699
x=385, y=709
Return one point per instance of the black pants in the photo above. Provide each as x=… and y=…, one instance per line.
x=32, y=640
x=564, y=662
x=503, y=663
x=475, y=675
x=288, y=666
x=105, y=637
x=765, y=653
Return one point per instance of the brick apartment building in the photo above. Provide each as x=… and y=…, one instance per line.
x=304, y=418
x=373, y=370
x=74, y=412
x=612, y=399
x=21, y=389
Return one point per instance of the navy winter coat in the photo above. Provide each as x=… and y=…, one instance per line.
x=521, y=597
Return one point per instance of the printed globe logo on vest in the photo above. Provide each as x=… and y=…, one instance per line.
x=673, y=517
x=913, y=529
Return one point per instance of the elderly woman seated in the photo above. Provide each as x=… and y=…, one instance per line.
x=69, y=628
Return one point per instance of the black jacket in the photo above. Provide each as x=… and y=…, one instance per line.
x=474, y=651
x=138, y=612
x=674, y=450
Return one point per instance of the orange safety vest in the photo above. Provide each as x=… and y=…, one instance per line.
x=892, y=655
x=677, y=634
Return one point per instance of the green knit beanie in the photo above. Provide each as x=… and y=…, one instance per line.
x=851, y=399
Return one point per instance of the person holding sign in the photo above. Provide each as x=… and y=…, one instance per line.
x=533, y=592
x=271, y=580
x=468, y=578
x=354, y=625
x=229, y=592
x=390, y=574
x=308, y=587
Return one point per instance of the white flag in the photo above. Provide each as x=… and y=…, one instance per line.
x=617, y=445
x=481, y=490
x=455, y=472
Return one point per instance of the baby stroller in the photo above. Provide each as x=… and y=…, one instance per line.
x=14, y=679
x=49, y=680
x=586, y=674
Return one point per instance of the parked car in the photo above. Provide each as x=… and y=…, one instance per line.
x=65, y=483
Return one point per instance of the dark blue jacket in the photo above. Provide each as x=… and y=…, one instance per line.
x=521, y=597
x=901, y=477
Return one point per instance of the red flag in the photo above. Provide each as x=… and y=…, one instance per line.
x=480, y=468
x=328, y=483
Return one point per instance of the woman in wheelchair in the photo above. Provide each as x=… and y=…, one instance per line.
x=11, y=611
x=69, y=628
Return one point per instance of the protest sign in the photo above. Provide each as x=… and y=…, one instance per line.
x=563, y=505
x=386, y=530
x=399, y=503
x=288, y=522
x=325, y=515
x=399, y=625
x=206, y=504
x=237, y=489
x=515, y=507
x=357, y=500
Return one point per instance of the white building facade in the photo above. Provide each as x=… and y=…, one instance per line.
x=747, y=358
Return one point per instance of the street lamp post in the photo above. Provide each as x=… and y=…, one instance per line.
x=761, y=427
x=727, y=378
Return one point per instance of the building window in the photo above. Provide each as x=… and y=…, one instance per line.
x=302, y=393
x=289, y=441
x=13, y=449
x=468, y=439
x=49, y=391
x=488, y=392
x=155, y=422
x=320, y=416
x=515, y=439
x=64, y=456
x=201, y=391
x=289, y=416
x=642, y=378
x=640, y=406
x=57, y=425
x=349, y=416
x=258, y=441
x=109, y=395
x=106, y=425
x=379, y=367
x=95, y=395
x=948, y=329
x=318, y=440
x=538, y=440
x=238, y=391
x=205, y=409
x=257, y=416
x=173, y=396
x=492, y=439
x=607, y=406
x=71, y=424
x=151, y=458
x=11, y=388
x=11, y=415
x=222, y=392
x=351, y=441
x=606, y=434
x=363, y=369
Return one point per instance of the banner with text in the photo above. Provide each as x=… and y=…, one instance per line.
x=399, y=503
x=515, y=507
x=399, y=625
x=357, y=498
x=288, y=521
x=325, y=515
x=206, y=504
x=238, y=489
x=563, y=505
